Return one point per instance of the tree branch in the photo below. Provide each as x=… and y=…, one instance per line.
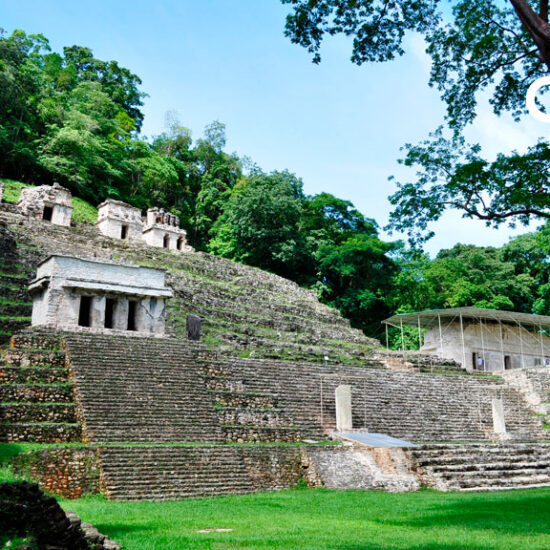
x=497, y=215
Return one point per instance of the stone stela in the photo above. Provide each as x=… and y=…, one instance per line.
x=49, y=203
x=194, y=327
x=342, y=396
x=78, y=294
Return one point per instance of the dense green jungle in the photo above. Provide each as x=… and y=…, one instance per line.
x=72, y=118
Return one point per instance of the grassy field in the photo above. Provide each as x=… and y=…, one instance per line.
x=323, y=519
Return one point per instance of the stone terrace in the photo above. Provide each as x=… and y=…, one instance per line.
x=408, y=405
x=160, y=390
x=16, y=271
x=36, y=395
x=245, y=310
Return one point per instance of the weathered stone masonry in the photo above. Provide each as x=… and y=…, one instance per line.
x=71, y=292
x=50, y=203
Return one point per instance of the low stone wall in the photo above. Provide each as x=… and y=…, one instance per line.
x=360, y=467
x=40, y=433
x=69, y=472
x=533, y=384
x=25, y=511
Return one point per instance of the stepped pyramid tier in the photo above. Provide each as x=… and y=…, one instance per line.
x=244, y=310
x=162, y=230
x=51, y=203
x=71, y=293
x=169, y=417
x=37, y=397
x=119, y=220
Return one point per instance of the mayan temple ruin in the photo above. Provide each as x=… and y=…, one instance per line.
x=99, y=349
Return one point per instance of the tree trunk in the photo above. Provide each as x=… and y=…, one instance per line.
x=536, y=25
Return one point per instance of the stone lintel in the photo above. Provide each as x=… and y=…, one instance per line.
x=94, y=286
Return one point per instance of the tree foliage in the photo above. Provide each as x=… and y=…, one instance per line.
x=491, y=48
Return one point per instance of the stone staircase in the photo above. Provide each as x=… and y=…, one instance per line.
x=138, y=389
x=174, y=472
x=36, y=396
x=483, y=467
x=15, y=275
x=254, y=414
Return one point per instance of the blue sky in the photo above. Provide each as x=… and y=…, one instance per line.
x=337, y=126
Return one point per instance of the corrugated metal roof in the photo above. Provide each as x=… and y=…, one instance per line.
x=429, y=318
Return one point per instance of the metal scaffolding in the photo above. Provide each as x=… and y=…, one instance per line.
x=529, y=341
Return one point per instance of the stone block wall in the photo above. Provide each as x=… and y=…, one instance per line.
x=70, y=472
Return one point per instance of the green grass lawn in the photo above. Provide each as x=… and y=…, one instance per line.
x=322, y=519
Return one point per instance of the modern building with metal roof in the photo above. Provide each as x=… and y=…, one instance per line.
x=480, y=339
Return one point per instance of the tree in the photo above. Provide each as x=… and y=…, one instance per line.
x=260, y=224
x=68, y=117
x=356, y=277
x=488, y=46
x=84, y=147
x=462, y=276
x=219, y=173
x=21, y=93
x=529, y=255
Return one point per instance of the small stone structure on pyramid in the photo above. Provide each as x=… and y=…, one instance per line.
x=51, y=203
x=163, y=231
x=119, y=220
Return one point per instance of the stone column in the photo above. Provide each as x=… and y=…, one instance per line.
x=343, y=408
x=98, y=312
x=121, y=315
x=143, y=319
